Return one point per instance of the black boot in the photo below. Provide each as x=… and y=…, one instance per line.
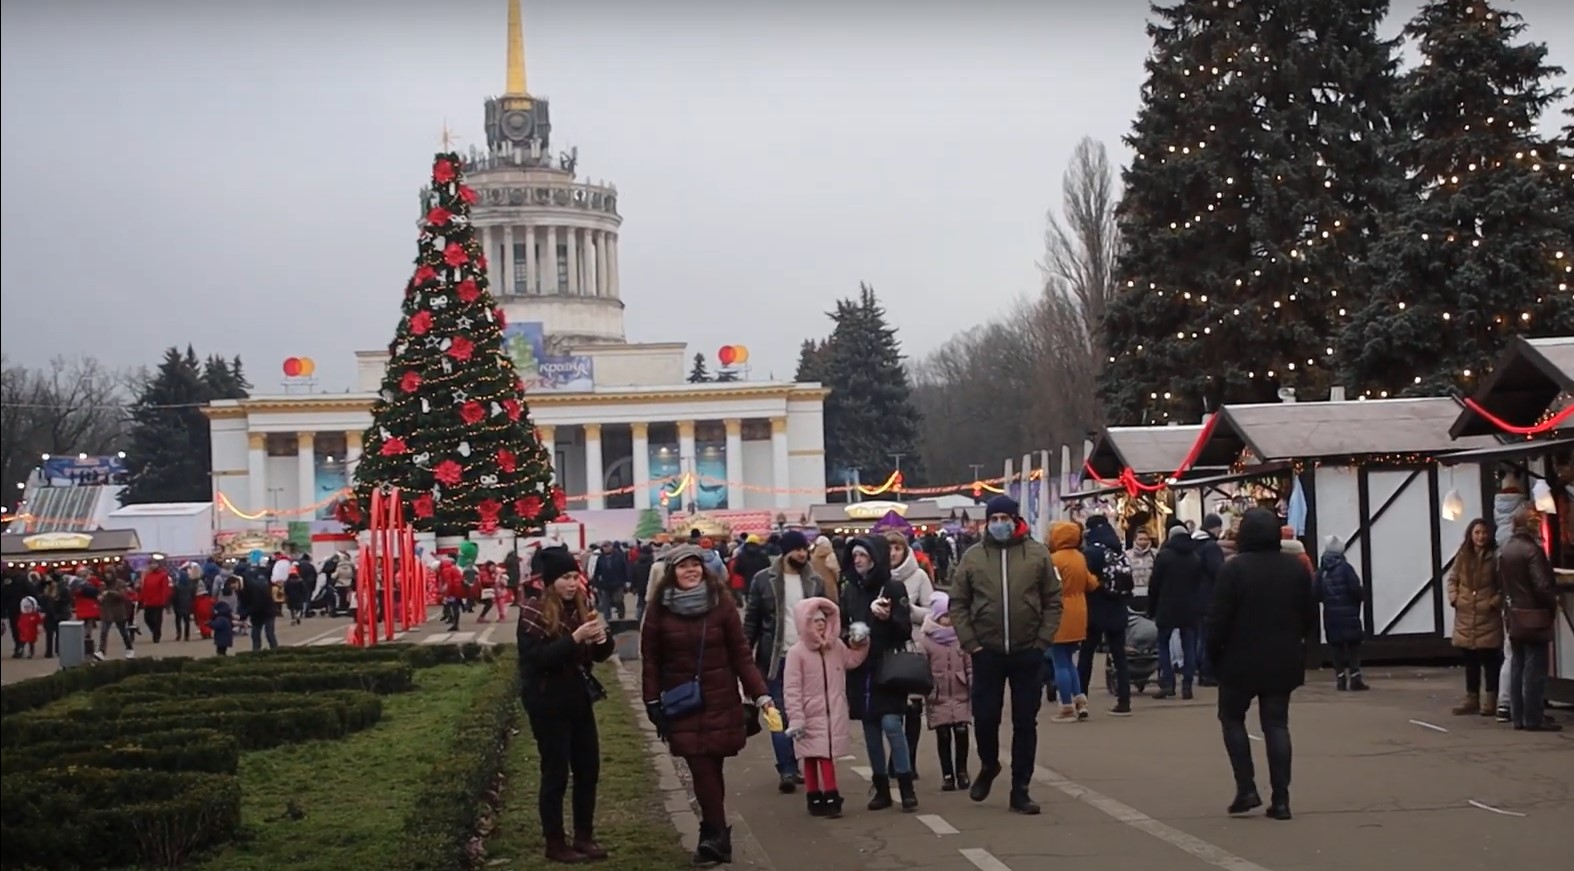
x=986, y=779
x=1356, y=683
x=816, y=804
x=1279, y=756
x=715, y=846
x=1022, y=803
x=1343, y=681
x=1245, y=802
x=962, y=782
x=904, y=783
x=947, y=783
x=880, y=793
x=833, y=804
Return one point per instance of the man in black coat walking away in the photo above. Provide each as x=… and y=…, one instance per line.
x=1263, y=614
x=1175, y=604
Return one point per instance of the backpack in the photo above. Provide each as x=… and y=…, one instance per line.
x=1116, y=574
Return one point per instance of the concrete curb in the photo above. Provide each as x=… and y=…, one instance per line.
x=677, y=799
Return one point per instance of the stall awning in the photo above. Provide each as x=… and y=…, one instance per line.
x=67, y=547
x=1261, y=471
x=1346, y=428
x=1515, y=451
x=1527, y=380
x=1145, y=450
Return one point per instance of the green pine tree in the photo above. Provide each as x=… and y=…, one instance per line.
x=700, y=372
x=1248, y=208
x=169, y=451
x=809, y=362
x=650, y=524
x=869, y=414
x=1468, y=259
x=727, y=376
x=451, y=428
x=224, y=378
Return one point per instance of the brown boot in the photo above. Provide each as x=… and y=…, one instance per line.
x=1488, y=704
x=558, y=850
x=1470, y=705
x=585, y=842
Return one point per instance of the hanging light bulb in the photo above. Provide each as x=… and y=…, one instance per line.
x=1453, y=506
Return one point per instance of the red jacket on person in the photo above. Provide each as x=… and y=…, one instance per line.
x=156, y=589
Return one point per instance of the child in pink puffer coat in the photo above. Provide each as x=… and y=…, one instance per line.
x=815, y=686
x=949, y=707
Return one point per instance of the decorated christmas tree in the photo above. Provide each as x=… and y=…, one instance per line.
x=1476, y=250
x=1249, y=204
x=451, y=428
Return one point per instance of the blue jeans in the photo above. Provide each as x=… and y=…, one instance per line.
x=258, y=627
x=1188, y=638
x=1068, y=683
x=786, y=759
x=887, y=729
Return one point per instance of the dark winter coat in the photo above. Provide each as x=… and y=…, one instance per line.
x=865, y=701
x=613, y=572
x=185, y=595
x=764, y=613
x=750, y=561
x=1340, y=591
x=1263, y=614
x=223, y=625
x=1107, y=605
x=669, y=648
x=1175, y=588
x=554, y=670
x=256, y=599
x=1526, y=574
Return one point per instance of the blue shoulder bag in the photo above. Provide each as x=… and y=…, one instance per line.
x=685, y=698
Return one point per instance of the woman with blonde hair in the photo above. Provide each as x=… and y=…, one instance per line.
x=906, y=568
x=822, y=558
x=560, y=638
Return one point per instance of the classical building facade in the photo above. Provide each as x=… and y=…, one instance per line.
x=621, y=423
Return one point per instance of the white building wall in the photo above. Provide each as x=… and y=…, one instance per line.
x=757, y=469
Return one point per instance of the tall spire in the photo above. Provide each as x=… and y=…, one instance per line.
x=516, y=51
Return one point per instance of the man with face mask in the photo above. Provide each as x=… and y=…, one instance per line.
x=769, y=627
x=1005, y=607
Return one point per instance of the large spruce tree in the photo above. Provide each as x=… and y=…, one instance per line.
x=1468, y=258
x=869, y=414
x=169, y=455
x=1250, y=202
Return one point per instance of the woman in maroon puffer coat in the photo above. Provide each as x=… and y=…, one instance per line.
x=693, y=630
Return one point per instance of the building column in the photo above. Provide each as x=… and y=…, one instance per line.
x=686, y=464
x=595, y=474
x=257, y=471
x=508, y=261
x=532, y=276
x=601, y=263
x=352, y=455
x=547, y=434
x=549, y=283
x=572, y=255
x=305, y=469
x=613, y=289
x=494, y=259
x=781, y=477
x=734, y=463
x=641, y=458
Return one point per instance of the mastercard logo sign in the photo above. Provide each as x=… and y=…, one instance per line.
x=299, y=367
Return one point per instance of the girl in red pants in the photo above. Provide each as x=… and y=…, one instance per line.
x=815, y=686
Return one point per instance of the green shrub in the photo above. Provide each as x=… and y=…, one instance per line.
x=176, y=750
x=103, y=818
x=35, y=693
x=447, y=811
x=306, y=718
x=266, y=677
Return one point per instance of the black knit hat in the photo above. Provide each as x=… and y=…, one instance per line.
x=555, y=563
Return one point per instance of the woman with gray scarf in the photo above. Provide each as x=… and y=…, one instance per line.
x=694, y=655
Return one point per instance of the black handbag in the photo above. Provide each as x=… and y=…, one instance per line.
x=906, y=672
x=686, y=698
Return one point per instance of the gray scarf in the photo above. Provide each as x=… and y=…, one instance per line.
x=687, y=603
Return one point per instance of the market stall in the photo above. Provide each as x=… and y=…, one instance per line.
x=1526, y=402
x=47, y=550
x=1367, y=472
x=1131, y=474
x=859, y=518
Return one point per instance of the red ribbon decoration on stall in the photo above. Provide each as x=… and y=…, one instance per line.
x=1547, y=425
x=1128, y=480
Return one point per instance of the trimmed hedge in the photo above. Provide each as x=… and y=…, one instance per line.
x=448, y=810
x=175, y=750
x=102, y=818
x=300, y=718
x=268, y=677
x=35, y=693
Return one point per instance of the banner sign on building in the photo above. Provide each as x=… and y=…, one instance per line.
x=85, y=470
x=526, y=345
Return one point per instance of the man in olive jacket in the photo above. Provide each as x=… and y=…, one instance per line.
x=1005, y=606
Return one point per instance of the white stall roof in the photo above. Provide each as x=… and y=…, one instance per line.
x=162, y=509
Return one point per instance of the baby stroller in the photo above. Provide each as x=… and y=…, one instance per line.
x=1142, y=653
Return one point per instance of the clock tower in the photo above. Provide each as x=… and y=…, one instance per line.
x=517, y=122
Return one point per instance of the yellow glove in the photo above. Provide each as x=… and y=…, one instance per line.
x=773, y=719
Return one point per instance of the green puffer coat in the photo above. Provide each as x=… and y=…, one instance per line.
x=1005, y=596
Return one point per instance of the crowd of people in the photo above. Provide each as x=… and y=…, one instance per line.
x=822, y=635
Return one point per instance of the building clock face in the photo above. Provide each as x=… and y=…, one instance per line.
x=518, y=125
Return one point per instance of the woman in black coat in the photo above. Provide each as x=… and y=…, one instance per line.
x=1175, y=605
x=872, y=597
x=1262, y=617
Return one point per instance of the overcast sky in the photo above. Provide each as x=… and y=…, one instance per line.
x=244, y=176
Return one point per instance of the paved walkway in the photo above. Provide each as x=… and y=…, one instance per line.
x=1383, y=779
x=315, y=631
